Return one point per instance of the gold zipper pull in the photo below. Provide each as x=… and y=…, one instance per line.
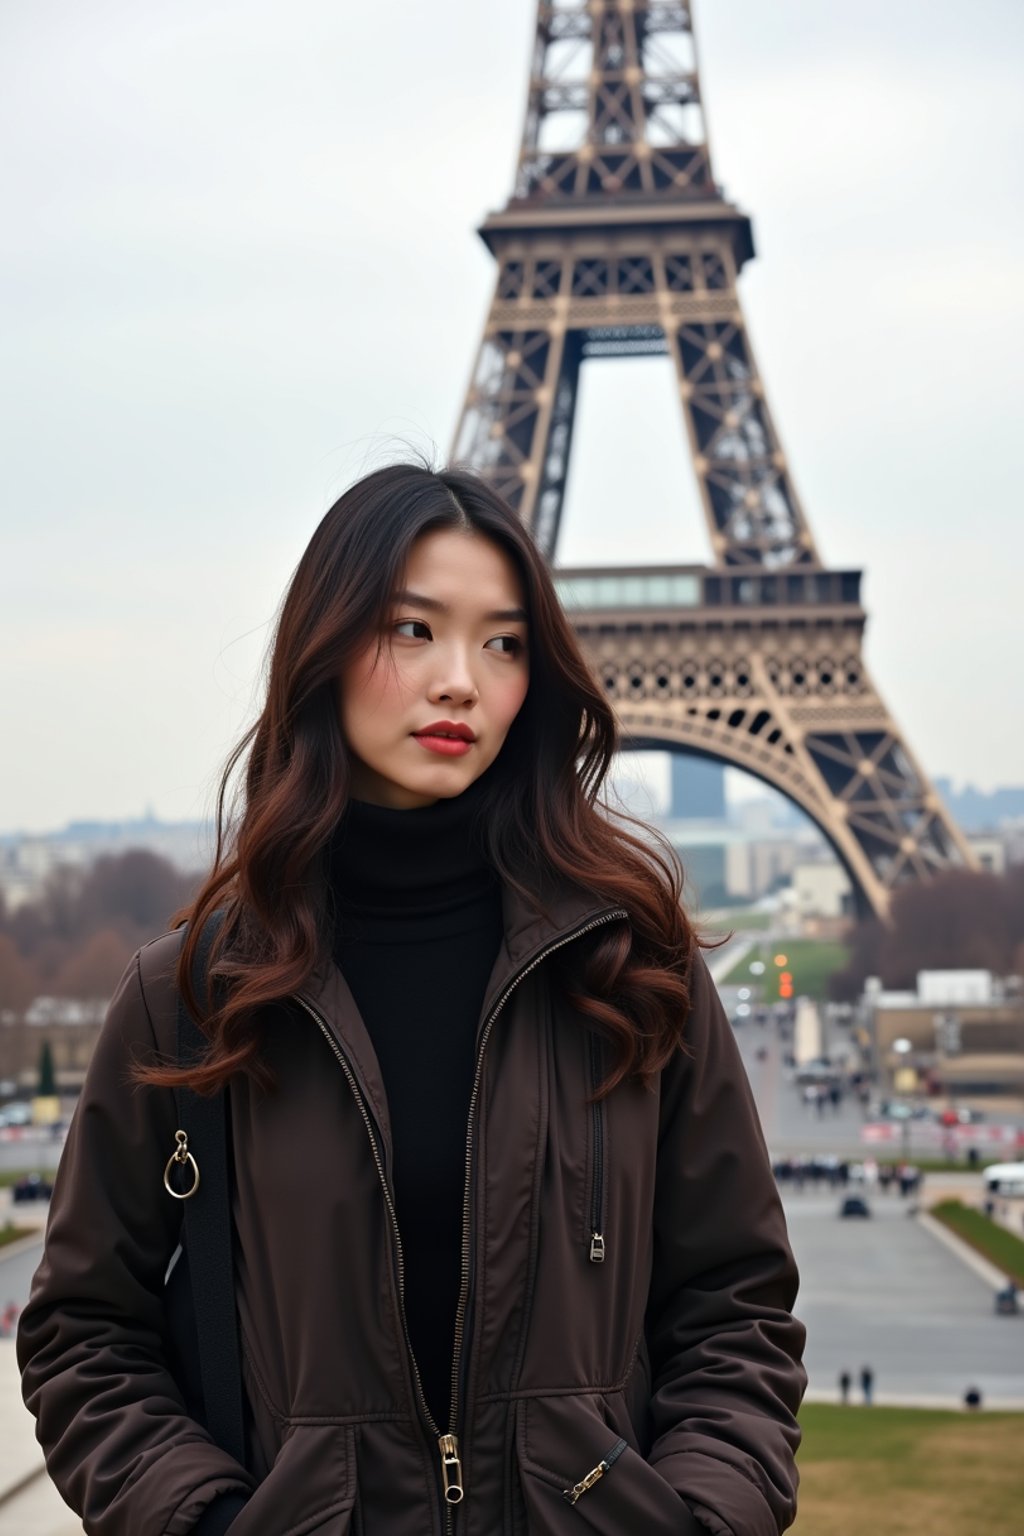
x=572, y=1494
x=597, y=1247
x=451, y=1469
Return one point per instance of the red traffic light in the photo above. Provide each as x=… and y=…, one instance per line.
x=786, y=984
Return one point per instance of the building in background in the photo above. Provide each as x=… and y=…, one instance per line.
x=992, y=851
x=993, y=822
x=27, y=860
x=821, y=895
x=976, y=811
x=697, y=789
x=957, y=1033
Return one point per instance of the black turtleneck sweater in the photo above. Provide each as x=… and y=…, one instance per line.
x=418, y=927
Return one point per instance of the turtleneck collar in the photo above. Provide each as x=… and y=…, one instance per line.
x=429, y=860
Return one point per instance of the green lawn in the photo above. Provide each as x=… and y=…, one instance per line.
x=741, y=921
x=10, y=1176
x=11, y=1234
x=809, y=961
x=944, y=1164
x=991, y=1240
x=909, y=1472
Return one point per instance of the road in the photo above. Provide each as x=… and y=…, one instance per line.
x=882, y=1292
x=16, y=1271
x=790, y=1125
x=885, y=1293
x=29, y=1150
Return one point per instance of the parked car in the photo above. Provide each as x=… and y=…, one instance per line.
x=1007, y=1300
x=31, y=1187
x=961, y=1114
x=855, y=1205
x=16, y=1113
x=816, y=1073
x=896, y=1109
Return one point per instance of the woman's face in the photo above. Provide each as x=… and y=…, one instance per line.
x=454, y=657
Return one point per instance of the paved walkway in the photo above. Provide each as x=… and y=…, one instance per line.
x=907, y=1300
x=38, y=1510
x=21, y=1466
x=29, y=1503
x=721, y=961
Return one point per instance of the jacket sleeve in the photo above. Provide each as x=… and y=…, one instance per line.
x=725, y=1349
x=112, y=1423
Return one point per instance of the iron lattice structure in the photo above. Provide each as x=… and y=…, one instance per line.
x=617, y=241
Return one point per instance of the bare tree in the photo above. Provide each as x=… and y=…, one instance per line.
x=18, y=981
x=76, y=938
x=962, y=919
x=93, y=969
x=136, y=891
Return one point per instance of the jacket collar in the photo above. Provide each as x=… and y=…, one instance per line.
x=561, y=909
x=562, y=912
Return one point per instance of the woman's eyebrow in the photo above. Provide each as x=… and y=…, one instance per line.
x=510, y=615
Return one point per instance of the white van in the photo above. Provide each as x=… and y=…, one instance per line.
x=1005, y=1179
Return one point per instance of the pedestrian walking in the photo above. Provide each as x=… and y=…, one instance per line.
x=505, y=1237
x=845, y=1382
x=867, y=1384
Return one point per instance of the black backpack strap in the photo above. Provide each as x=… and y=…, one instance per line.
x=207, y=1227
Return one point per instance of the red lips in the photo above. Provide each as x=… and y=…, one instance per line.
x=447, y=728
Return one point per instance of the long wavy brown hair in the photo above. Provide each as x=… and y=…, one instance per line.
x=544, y=814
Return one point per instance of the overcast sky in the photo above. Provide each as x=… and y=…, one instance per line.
x=238, y=268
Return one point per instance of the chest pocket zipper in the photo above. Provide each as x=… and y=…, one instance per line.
x=595, y=1241
x=595, y=1474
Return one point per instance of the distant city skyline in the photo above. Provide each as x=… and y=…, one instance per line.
x=648, y=770
x=236, y=273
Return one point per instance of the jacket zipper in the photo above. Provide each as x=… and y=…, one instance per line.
x=378, y=1159
x=595, y=1242
x=452, y=1485
x=467, y=1246
x=574, y=1494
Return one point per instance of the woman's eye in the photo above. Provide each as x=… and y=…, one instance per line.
x=419, y=629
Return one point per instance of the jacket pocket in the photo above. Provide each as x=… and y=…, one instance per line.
x=311, y=1488
x=598, y=1135
x=579, y=1475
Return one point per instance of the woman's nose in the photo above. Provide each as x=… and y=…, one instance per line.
x=454, y=680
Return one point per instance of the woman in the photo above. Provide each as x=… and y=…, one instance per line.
x=509, y=1257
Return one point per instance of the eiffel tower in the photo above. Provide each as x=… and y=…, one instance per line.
x=617, y=241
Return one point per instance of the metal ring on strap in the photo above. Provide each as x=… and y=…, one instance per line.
x=181, y=1154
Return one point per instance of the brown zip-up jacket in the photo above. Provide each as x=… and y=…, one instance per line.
x=626, y=1356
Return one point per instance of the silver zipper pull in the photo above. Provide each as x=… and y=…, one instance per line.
x=572, y=1494
x=451, y=1469
x=597, y=1248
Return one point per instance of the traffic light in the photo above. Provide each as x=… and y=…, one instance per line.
x=786, y=984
